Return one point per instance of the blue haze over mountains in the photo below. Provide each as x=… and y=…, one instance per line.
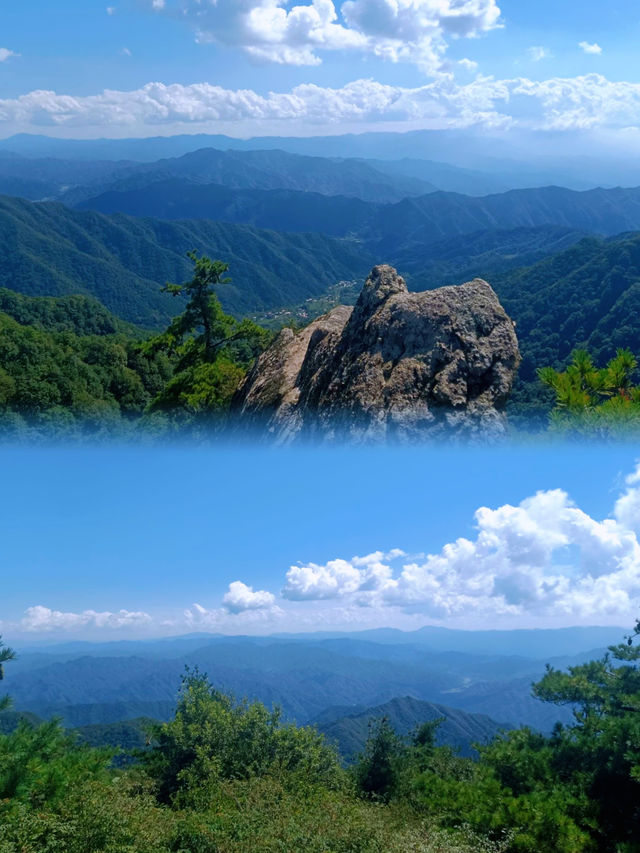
x=478, y=681
x=294, y=217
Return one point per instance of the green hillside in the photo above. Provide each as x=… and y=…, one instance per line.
x=388, y=230
x=457, y=729
x=233, y=776
x=585, y=297
x=71, y=366
x=50, y=250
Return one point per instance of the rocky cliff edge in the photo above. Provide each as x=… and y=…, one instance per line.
x=398, y=365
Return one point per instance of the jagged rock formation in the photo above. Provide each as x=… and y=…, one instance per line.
x=398, y=365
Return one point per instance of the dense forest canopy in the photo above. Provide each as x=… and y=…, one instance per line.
x=224, y=775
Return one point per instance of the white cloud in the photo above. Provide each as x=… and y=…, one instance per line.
x=241, y=597
x=538, y=53
x=228, y=620
x=414, y=31
x=594, y=49
x=111, y=10
x=41, y=619
x=543, y=558
x=627, y=509
x=468, y=64
x=590, y=101
x=6, y=54
x=125, y=51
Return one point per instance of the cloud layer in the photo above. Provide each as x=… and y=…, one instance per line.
x=542, y=558
x=42, y=619
x=586, y=102
x=543, y=561
x=293, y=33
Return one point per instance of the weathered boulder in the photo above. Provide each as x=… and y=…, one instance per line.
x=398, y=365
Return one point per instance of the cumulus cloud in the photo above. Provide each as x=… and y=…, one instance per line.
x=468, y=64
x=241, y=597
x=242, y=606
x=6, y=54
x=537, y=53
x=229, y=621
x=583, y=102
x=627, y=509
x=542, y=558
x=398, y=30
x=41, y=619
x=587, y=47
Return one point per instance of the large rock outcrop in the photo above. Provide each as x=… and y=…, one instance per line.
x=398, y=365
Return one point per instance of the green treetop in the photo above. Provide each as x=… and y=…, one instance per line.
x=212, y=349
x=6, y=654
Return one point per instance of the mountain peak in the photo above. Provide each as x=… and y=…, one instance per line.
x=400, y=365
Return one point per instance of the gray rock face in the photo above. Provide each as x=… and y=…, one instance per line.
x=398, y=365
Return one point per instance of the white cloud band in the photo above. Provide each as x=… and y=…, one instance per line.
x=43, y=619
x=585, y=102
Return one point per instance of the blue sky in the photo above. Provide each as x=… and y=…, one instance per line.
x=121, y=542
x=289, y=66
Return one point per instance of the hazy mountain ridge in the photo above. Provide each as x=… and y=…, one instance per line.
x=528, y=158
x=388, y=230
x=305, y=677
x=457, y=729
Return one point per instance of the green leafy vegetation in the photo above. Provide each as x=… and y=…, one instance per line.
x=6, y=654
x=575, y=790
x=595, y=402
x=231, y=776
x=221, y=776
x=69, y=367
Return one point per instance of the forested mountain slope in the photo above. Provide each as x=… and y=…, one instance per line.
x=587, y=296
x=305, y=678
x=281, y=209
x=388, y=230
x=48, y=249
x=349, y=728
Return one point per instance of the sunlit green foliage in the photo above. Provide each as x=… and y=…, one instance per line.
x=576, y=790
x=6, y=654
x=210, y=349
x=212, y=738
x=68, y=367
x=221, y=777
x=595, y=401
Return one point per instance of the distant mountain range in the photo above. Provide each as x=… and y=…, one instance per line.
x=72, y=181
x=475, y=672
x=510, y=159
x=388, y=230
